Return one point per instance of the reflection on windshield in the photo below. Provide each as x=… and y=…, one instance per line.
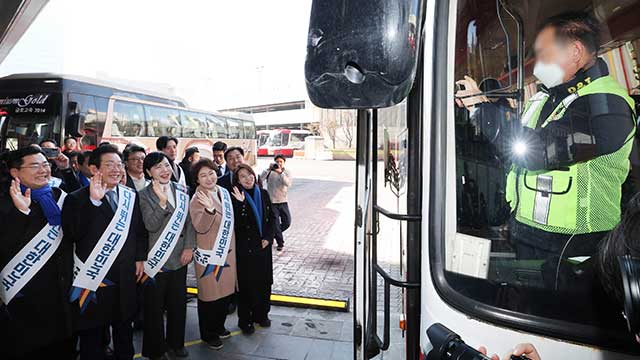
x=538, y=191
x=23, y=132
x=262, y=140
x=275, y=140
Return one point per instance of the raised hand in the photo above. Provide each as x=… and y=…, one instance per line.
x=62, y=162
x=470, y=88
x=20, y=201
x=158, y=189
x=238, y=194
x=97, y=188
x=205, y=200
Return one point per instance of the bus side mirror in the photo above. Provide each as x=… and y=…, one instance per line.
x=73, y=126
x=362, y=54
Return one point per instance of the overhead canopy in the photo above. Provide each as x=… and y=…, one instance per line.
x=15, y=18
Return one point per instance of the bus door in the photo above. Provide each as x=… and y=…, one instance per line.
x=352, y=63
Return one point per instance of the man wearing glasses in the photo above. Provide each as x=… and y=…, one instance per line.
x=35, y=264
x=104, y=223
x=134, y=157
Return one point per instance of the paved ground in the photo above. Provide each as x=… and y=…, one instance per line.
x=295, y=334
x=317, y=261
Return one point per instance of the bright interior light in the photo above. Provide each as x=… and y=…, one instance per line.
x=519, y=148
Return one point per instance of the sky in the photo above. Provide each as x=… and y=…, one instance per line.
x=215, y=54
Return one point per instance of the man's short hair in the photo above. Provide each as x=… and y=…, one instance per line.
x=82, y=156
x=575, y=26
x=219, y=146
x=279, y=156
x=48, y=140
x=96, y=155
x=233, y=148
x=132, y=148
x=163, y=140
x=14, y=159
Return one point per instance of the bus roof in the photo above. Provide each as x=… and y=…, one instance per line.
x=97, y=82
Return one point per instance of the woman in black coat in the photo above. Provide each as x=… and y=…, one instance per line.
x=253, y=244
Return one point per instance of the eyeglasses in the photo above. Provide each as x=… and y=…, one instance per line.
x=37, y=167
x=113, y=165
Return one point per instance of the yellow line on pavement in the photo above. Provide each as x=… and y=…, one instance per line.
x=328, y=304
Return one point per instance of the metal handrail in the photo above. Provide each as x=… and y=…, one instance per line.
x=395, y=216
x=388, y=281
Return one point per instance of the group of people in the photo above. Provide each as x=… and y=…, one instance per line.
x=91, y=243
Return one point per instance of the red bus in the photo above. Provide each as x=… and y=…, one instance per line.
x=281, y=141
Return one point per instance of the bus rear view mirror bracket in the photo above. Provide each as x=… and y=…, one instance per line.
x=362, y=55
x=73, y=125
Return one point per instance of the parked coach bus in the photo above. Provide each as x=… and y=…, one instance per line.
x=34, y=107
x=281, y=141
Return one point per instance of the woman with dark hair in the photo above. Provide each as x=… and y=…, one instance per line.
x=164, y=205
x=191, y=156
x=212, y=217
x=254, y=226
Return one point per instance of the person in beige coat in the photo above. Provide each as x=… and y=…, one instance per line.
x=215, y=284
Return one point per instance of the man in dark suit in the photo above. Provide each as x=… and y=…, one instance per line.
x=169, y=146
x=86, y=216
x=35, y=319
x=133, y=158
x=218, y=151
x=234, y=156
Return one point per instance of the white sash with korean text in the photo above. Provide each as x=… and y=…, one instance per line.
x=89, y=275
x=26, y=263
x=162, y=249
x=218, y=255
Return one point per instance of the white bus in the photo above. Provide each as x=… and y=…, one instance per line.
x=443, y=192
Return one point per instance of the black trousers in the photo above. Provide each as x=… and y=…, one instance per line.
x=532, y=243
x=93, y=342
x=283, y=220
x=254, y=303
x=211, y=317
x=166, y=293
x=59, y=350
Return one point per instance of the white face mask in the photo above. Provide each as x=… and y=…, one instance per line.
x=549, y=74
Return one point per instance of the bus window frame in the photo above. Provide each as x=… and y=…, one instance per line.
x=441, y=159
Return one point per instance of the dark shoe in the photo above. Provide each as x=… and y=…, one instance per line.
x=280, y=247
x=247, y=329
x=225, y=334
x=181, y=353
x=265, y=323
x=214, y=344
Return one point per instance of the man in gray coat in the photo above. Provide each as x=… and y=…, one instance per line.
x=278, y=181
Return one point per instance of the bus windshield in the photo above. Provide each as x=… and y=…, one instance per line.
x=27, y=119
x=526, y=234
